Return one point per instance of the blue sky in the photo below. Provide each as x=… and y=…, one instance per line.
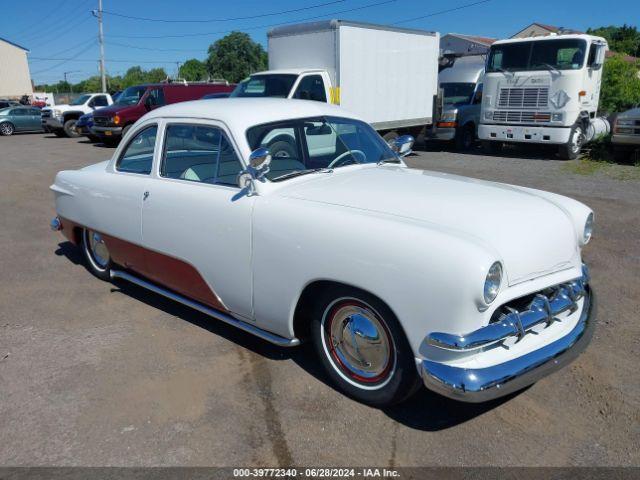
x=58, y=30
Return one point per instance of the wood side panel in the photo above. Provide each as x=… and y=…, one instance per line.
x=167, y=271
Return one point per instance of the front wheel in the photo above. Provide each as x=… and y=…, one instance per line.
x=7, y=129
x=363, y=348
x=465, y=137
x=96, y=254
x=70, y=128
x=571, y=150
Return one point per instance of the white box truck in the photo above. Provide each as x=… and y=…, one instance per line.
x=386, y=75
x=544, y=90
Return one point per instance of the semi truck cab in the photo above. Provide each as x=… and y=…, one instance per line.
x=543, y=90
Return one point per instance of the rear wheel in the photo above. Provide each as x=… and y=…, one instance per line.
x=7, y=129
x=96, y=254
x=70, y=128
x=363, y=348
x=392, y=135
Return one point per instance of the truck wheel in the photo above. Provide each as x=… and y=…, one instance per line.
x=491, y=147
x=282, y=149
x=363, y=348
x=571, y=150
x=7, y=129
x=70, y=128
x=465, y=137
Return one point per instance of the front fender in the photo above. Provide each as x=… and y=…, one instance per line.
x=430, y=278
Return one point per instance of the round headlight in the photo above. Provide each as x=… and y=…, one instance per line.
x=492, y=282
x=588, y=229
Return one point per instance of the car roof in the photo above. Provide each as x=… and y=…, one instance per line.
x=243, y=113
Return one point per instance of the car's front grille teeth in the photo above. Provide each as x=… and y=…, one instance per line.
x=530, y=97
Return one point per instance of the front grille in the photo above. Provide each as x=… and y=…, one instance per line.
x=530, y=97
x=45, y=113
x=101, y=121
x=509, y=116
x=630, y=127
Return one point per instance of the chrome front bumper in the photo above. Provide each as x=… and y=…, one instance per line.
x=483, y=384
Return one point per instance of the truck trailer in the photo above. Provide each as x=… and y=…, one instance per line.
x=386, y=75
x=544, y=90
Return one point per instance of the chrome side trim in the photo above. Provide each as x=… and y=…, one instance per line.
x=483, y=384
x=247, y=327
x=542, y=309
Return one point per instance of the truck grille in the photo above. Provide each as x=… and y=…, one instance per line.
x=101, y=121
x=627, y=127
x=45, y=113
x=506, y=116
x=532, y=97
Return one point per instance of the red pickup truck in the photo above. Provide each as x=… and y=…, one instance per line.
x=110, y=124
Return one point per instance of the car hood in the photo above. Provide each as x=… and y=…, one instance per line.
x=111, y=110
x=531, y=235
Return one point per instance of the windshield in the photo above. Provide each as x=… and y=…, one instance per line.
x=80, y=100
x=458, y=93
x=131, y=96
x=561, y=54
x=278, y=85
x=307, y=145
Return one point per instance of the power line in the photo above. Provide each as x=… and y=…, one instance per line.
x=25, y=34
x=69, y=29
x=441, y=12
x=74, y=59
x=63, y=24
x=66, y=60
x=155, y=49
x=184, y=35
x=231, y=19
x=84, y=42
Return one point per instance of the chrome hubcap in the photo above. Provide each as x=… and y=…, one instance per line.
x=98, y=248
x=359, y=342
x=6, y=129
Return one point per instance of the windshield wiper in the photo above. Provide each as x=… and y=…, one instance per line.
x=550, y=67
x=389, y=160
x=299, y=173
x=504, y=70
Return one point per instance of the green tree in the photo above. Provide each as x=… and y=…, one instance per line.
x=193, y=70
x=620, y=85
x=624, y=39
x=235, y=56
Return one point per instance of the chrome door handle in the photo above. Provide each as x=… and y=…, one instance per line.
x=145, y=195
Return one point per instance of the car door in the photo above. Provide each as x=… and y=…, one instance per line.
x=20, y=119
x=120, y=200
x=34, y=122
x=196, y=221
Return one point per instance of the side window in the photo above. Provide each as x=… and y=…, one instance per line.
x=199, y=153
x=311, y=87
x=20, y=112
x=138, y=154
x=593, y=48
x=35, y=112
x=156, y=97
x=100, y=101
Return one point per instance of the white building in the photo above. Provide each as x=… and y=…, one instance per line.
x=15, y=79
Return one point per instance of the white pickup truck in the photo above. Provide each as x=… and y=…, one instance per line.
x=62, y=119
x=386, y=75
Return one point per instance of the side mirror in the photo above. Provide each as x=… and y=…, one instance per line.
x=259, y=162
x=402, y=145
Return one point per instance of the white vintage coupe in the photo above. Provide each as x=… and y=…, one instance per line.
x=294, y=220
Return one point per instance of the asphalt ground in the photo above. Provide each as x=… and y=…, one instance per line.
x=98, y=374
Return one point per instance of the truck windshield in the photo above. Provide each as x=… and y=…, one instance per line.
x=309, y=145
x=131, y=96
x=458, y=93
x=560, y=54
x=277, y=85
x=80, y=100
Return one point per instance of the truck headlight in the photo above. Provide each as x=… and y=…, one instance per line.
x=488, y=115
x=57, y=113
x=449, y=116
x=492, y=283
x=588, y=229
x=557, y=117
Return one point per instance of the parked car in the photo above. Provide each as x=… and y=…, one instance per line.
x=626, y=133
x=83, y=127
x=111, y=124
x=9, y=103
x=394, y=274
x=461, y=85
x=61, y=119
x=19, y=119
x=209, y=96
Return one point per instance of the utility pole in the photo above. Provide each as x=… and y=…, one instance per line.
x=101, y=40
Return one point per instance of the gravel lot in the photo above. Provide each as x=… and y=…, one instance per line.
x=92, y=374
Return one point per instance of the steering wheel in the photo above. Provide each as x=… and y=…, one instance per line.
x=354, y=153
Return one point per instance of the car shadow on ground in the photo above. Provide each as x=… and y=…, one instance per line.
x=425, y=410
